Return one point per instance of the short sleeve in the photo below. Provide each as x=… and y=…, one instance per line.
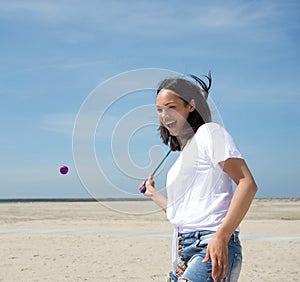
x=219, y=144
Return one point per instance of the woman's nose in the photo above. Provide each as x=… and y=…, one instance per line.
x=164, y=115
x=165, y=112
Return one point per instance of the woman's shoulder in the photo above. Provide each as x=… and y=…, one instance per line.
x=208, y=128
x=210, y=133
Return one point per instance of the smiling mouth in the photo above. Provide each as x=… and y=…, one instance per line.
x=171, y=125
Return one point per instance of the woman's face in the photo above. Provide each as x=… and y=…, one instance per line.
x=173, y=111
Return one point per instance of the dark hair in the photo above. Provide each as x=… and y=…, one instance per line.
x=187, y=90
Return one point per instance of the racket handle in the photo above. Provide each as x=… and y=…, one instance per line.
x=142, y=187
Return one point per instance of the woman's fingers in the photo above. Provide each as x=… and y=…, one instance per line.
x=219, y=261
x=150, y=180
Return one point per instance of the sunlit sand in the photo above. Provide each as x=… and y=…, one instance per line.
x=122, y=241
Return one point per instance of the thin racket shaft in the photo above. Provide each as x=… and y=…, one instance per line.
x=161, y=162
x=142, y=187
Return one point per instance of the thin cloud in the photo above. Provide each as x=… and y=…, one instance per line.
x=144, y=18
x=36, y=10
x=66, y=65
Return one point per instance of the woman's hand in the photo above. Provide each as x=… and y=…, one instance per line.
x=217, y=252
x=155, y=195
x=149, y=184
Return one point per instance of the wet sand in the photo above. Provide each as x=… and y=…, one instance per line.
x=131, y=241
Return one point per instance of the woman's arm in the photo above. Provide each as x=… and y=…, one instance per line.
x=245, y=191
x=156, y=196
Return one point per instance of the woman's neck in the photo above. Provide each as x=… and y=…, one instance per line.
x=184, y=138
x=182, y=142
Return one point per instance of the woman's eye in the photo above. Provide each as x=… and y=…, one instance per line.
x=165, y=109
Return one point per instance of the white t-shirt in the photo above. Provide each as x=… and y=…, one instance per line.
x=199, y=192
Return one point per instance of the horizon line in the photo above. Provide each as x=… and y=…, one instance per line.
x=108, y=199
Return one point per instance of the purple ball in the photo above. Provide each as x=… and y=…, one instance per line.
x=64, y=169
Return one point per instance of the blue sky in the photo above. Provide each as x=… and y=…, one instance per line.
x=53, y=54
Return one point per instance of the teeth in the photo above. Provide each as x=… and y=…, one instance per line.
x=170, y=122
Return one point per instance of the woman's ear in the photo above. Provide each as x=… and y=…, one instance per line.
x=192, y=105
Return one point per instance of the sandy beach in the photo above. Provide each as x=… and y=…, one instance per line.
x=131, y=241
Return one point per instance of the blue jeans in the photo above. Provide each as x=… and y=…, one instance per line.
x=192, y=250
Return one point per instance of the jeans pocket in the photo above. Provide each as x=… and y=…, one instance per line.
x=234, y=259
x=234, y=268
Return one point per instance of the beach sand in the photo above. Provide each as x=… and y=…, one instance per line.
x=131, y=241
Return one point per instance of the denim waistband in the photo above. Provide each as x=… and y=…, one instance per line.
x=205, y=235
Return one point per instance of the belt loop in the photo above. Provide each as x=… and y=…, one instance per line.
x=235, y=236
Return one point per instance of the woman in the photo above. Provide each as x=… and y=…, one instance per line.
x=200, y=202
